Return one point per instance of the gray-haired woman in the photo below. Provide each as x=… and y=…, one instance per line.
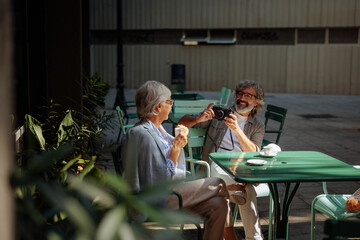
x=152, y=155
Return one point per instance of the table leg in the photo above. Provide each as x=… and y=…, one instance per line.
x=280, y=227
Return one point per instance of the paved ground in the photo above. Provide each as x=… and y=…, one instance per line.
x=325, y=123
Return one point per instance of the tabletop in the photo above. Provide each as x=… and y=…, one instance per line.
x=182, y=107
x=286, y=166
x=187, y=96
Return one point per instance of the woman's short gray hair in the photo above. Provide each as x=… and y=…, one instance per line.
x=244, y=84
x=148, y=96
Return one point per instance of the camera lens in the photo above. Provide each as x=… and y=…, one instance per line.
x=220, y=114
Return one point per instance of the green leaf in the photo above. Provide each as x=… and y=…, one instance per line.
x=65, y=128
x=70, y=163
x=35, y=128
x=76, y=213
x=88, y=167
x=111, y=224
x=45, y=160
x=118, y=184
x=92, y=191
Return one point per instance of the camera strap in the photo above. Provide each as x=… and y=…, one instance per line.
x=232, y=143
x=226, y=149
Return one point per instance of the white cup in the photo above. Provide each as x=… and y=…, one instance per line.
x=267, y=150
x=177, y=131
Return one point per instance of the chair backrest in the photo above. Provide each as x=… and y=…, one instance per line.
x=121, y=120
x=224, y=96
x=190, y=106
x=123, y=126
x=124, y=106
x=276, y=114
x=196, y=138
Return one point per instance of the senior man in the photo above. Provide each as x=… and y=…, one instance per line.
x=240, y=132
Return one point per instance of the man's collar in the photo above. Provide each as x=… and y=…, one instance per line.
x=250, y=117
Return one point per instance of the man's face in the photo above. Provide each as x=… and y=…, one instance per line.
x=245, y=100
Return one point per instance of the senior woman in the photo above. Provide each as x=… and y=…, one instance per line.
x=152, y=155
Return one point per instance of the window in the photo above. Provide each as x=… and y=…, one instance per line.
x=343, y=35
x=311, y=36
x=222, y=37
x=194, y=37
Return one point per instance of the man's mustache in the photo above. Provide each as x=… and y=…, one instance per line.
x=240, y=101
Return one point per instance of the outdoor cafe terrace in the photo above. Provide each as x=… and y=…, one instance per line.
x=328, y=124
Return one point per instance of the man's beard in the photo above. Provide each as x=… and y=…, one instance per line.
x=243, y=109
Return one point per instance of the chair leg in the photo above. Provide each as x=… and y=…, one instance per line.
x=271, y=210
x=200, y=233
x=312, y=230
x=235, y=213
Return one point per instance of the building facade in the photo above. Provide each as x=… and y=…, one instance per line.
x=290, y=46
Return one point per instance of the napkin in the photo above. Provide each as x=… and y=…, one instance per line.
x=274, y=148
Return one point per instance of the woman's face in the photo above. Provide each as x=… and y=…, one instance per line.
x=165, y=109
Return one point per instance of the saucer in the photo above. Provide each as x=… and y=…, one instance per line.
x=256, y=162
x=269, y=155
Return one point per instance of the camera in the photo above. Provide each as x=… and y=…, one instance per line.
x=221, y=112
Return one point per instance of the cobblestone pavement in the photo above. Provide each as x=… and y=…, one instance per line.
x=325, y=123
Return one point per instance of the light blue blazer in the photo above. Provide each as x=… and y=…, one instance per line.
x=144, y=159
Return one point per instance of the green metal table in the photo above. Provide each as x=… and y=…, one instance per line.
x=187, y=96
x=289, y=167
x=182, y=107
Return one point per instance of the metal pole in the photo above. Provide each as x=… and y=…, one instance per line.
x=120, y=96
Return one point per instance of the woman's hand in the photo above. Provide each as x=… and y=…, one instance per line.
x=179, y=143
x=180, y=140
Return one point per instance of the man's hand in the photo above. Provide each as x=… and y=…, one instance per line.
x=207, y=114
x=190, y=120
x=246, y=144
x=232, y=123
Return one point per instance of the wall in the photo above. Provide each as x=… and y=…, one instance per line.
x=286, y=68
x=165, y=14
x=282, y=69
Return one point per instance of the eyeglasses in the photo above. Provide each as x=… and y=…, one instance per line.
x=170, y=102
x=247, y=96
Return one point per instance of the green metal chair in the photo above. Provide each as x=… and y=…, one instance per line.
x=124, y=106
x=186, y=96
x=183, y=107
x=196, y=138
x=332, y=205
x=123, y=126
x=224, y=97
x=274, y=122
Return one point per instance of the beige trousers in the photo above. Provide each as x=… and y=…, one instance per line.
x=249, y=211
x=207, y=197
